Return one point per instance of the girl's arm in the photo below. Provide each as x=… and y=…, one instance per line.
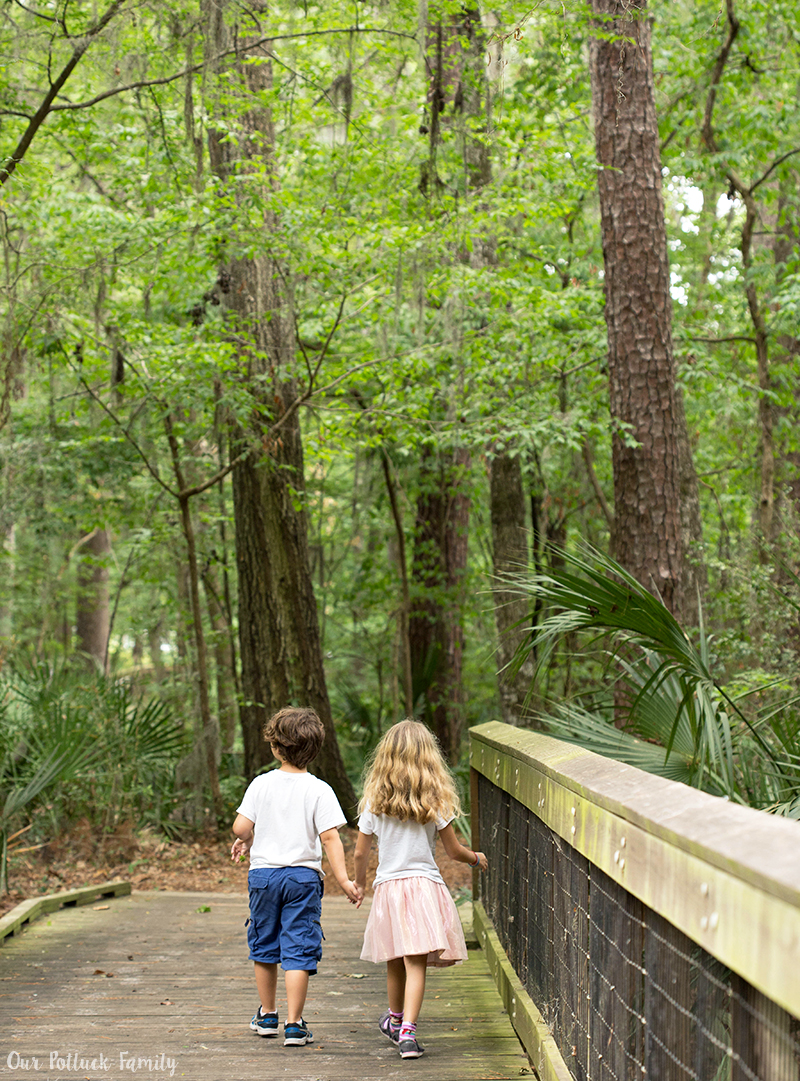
x=363, y=845
x=456, y=851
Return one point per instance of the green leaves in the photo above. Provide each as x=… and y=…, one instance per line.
x=669, y=714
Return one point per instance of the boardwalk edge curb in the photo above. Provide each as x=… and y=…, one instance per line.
x=27, y=911
x=528, y=1023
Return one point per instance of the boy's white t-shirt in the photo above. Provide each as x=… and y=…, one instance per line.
x=290, y=811
x=405, y=849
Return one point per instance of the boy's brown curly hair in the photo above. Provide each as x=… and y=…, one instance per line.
x=298, y=734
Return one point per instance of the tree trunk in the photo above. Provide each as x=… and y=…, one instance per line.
x=224, y=661
x=281, y=652
x=457, y=99
x=510, y=559
x=693, y=568
x=647, y=519
x=435, y=631
x=92, y=610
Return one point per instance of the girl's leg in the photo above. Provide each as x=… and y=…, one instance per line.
x=396, y=984
x=415, y=969
x=266, y=985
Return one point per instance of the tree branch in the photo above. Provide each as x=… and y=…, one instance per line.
x=236, y=52
x=727, y=338
x=41, y=114
x=774, y=166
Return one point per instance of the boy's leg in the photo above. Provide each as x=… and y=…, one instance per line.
x=296, y=991
x=266, y=984
x=300, y=936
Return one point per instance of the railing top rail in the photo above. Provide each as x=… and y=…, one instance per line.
x=759, y=848
x=727, y=876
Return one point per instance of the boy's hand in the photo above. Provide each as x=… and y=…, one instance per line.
x=355, y=895
x=239, y=849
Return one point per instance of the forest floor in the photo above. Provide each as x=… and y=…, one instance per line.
x=151, y=862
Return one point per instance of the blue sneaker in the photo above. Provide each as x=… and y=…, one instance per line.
x=265, y=1024
x=385, y=1025
x=297, y=1033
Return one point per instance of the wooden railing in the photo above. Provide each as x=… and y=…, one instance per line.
x=636, y=928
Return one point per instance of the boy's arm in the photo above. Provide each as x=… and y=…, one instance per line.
x=243, y=830
x=363, y=845
x=334, y=850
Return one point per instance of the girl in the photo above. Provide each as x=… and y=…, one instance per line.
x=409, y=797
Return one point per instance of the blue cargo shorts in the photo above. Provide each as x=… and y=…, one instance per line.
x=285, y=911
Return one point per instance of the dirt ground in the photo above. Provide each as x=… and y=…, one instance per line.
x=150, y=862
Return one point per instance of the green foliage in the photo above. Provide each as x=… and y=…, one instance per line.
x=79, y=747
x=662, y=708
x=424, y=322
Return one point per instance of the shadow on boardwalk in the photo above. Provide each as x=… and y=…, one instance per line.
x=150, y=977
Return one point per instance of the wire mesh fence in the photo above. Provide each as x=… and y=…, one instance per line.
x=625, y=994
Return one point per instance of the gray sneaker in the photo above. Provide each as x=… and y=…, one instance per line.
x=385, y=1025
x=411, y=1049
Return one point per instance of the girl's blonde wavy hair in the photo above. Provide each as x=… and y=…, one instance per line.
x=408, y=778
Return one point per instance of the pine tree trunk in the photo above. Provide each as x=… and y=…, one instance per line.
x=281, y=652
x=647, y=529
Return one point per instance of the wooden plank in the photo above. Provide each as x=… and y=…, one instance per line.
x=152, y=976
x=709, y=898
x=27, y=911
x=528, y=1022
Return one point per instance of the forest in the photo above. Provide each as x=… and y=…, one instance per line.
x=394, y=358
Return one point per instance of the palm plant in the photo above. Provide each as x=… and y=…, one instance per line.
x=674, y=717
x=33, y=760
x=75, y=746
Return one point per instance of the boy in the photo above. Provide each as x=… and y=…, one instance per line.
x=282, y=819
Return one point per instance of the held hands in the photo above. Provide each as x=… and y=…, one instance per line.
x=354, y=892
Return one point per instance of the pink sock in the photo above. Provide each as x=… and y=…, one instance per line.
x=395, y=1020
x=408, y=1031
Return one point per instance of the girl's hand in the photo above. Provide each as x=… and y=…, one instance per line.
x=482, y=863
x=354, y=895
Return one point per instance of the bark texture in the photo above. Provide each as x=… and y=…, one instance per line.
x=281, y=654
x=457, y=114
x=435, y=630
x=510, y=558
x=647, y=526
x=93, y=612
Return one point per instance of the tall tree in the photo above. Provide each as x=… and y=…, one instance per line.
x=281, y=652
x=510, y=559
x=457, y=106
x=641, y=369
x=92, y=610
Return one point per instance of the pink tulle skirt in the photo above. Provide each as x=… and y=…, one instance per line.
x=411, y=916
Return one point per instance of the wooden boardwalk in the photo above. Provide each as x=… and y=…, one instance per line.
x=150, y=977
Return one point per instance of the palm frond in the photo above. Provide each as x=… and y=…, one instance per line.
x=677, y=718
